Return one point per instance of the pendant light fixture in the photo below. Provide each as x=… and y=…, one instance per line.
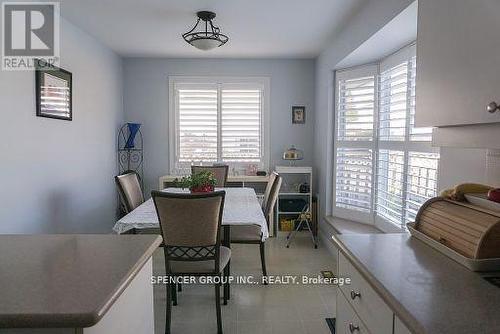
x=204, y=35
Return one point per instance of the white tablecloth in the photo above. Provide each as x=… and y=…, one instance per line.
x=241, y=207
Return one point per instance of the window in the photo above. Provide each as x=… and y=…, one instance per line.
x=385, y=167
x=220, y=120
x=355, y=142
x=240, y=125
x=197, y=124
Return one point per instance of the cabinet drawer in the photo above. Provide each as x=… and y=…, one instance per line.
x=347, y=322
x=372, y=310
x=399, y=327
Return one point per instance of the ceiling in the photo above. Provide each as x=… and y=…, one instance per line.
x=256, y=28
x=400, y=31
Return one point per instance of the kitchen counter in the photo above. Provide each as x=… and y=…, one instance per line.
x=70, y=281
x=429, y=292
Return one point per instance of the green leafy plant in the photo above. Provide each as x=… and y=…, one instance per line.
x=199, y=182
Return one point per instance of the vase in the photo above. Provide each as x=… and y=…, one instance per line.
x=133, y=128
x=202, y=189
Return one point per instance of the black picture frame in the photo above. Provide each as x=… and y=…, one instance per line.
x=298, y=115
x=53, y=82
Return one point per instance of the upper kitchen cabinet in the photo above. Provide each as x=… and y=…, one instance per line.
x=458, y=61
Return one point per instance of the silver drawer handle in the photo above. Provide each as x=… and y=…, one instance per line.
x=353, y=328
x=355, y=294
x=492, y=107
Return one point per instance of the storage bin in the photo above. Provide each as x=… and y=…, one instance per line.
x=292, y=204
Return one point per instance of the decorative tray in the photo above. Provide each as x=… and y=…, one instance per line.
x=472, y=264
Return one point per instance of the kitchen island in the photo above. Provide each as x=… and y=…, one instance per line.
x=76, y=283
x=401, y=285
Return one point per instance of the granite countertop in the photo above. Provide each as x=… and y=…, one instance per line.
x=66, y=280
x=428, y=291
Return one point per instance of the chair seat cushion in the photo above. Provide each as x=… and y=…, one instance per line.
x=246, y=233
x=201, y=267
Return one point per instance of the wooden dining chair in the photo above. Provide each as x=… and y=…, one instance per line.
x=191, y=228
x=220, y=173
x=253, y=234
x=130, y=190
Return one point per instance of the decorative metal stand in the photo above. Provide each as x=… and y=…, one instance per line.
x=130, y=150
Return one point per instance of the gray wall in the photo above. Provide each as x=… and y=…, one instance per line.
x=56, y=176
x=371, y=18
x=146, y=102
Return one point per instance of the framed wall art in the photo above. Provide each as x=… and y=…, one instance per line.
x=298, y=115
x=53, y=92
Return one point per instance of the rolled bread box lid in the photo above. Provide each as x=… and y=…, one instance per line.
x=469, y=230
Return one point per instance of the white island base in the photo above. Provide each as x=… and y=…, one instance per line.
x=131, y=313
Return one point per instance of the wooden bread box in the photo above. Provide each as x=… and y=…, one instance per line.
x=471, y=231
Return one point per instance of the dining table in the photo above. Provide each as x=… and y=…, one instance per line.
x=241, y=208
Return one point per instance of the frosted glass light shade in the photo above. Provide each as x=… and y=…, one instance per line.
x=205, y=43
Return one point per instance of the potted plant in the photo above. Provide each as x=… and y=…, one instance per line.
x=202, y=182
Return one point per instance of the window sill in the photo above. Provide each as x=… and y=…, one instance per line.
x=387, y=227
x=344, y=226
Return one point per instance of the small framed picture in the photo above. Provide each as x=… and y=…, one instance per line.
x=298, y=115
x=53, y=92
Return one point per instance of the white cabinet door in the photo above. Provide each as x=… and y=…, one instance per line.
x=133, y=311
x=458, y=62
x=399, y=327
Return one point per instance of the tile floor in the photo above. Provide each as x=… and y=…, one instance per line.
x=255, y=309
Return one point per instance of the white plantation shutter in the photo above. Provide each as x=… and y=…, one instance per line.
x=354, y=141
x=390, y=180
x=393, y=107
x=241, y=122
x=356, y=104
x=197, y=125
x=406, y=163
x=218, y=122
x=405, y=180
x=422, y=174
x=416, y=134
x=422, y=181
x=380, y=156
x=354, y=179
